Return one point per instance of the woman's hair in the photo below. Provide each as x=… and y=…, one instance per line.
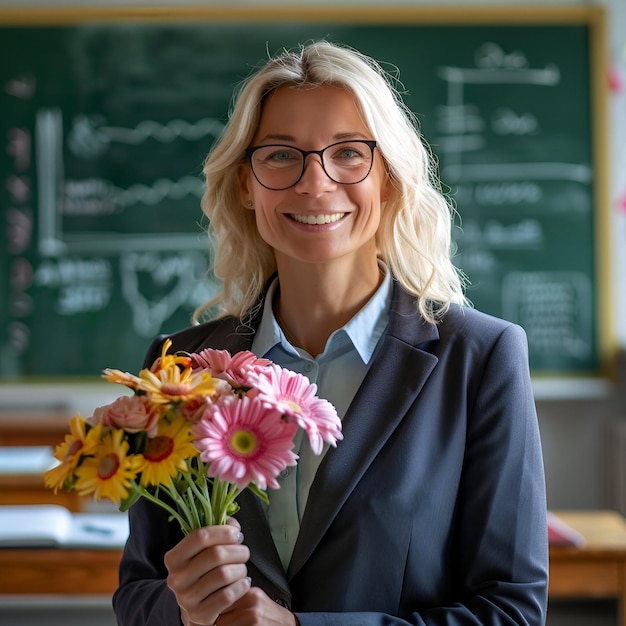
x=414, y=238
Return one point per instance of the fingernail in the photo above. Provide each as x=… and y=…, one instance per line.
x=240, y=537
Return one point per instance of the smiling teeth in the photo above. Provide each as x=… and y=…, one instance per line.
x=318, y=219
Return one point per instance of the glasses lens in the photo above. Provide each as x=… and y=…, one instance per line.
x=281, y=167
x=277, y=167
x=348, y=162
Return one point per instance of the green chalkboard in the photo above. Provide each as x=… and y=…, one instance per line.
x=106, y=122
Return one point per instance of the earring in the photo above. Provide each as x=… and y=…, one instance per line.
x=249, y=203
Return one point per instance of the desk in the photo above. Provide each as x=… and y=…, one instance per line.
x=30, y=489
x=33, y=428
x=67, y=572
x=598, y=569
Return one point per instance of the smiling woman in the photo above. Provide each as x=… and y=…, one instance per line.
x=333, y=245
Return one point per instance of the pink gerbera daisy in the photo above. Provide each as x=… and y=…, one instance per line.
x=295, y=397
x=232, y=368
x=245, y=441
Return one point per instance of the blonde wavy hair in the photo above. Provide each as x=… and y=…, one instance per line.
x=414, y=237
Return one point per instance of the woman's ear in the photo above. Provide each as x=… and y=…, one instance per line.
x=386, y=188
x=244, y=186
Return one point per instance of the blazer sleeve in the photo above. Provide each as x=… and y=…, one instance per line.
x=501, y=541
x=143, y=596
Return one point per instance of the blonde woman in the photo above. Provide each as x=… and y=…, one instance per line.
x=333, y=244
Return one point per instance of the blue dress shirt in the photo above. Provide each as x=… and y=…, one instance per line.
x=338, y=373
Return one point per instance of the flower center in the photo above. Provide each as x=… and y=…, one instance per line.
x=108, y=466
x=74, y=448
x=159, y=448
x=294, y=406
x=243, y=442
x=175, y=389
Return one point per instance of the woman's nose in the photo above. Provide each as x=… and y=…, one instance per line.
x=314, y=177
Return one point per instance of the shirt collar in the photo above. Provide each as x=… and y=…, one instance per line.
x=364, y=329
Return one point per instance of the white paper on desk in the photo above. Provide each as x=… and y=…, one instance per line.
x=26, y=459
x=51, y=525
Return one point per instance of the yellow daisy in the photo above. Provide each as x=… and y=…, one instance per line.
x=78, y=443
x=173, y=385
x=167, y=453
x=109, y=473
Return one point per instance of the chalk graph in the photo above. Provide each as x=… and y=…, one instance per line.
x=172, y=264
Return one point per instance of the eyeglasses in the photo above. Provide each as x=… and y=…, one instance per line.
x=279, y=167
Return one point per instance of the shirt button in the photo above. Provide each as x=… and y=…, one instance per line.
x=308, y=367
x=285, y=473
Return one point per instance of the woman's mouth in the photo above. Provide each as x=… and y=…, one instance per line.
x=318, y=219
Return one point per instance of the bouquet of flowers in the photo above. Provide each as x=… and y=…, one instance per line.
x=198, y=430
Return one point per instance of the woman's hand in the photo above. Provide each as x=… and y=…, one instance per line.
x=207, y=572
x=256, y=608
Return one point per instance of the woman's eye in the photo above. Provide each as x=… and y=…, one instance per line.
x=280, y=155
x=348, y=154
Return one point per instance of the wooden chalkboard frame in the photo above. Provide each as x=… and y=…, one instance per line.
x=592, y=17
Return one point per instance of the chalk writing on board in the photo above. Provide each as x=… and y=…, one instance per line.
x=101, y=197
x=465, y=129
x=19, y=228
x=90, y=135
x=553, y=307
x=105, y=128
x=503, y=197
x=97, y=196
x=153, y=285
x=171, y=279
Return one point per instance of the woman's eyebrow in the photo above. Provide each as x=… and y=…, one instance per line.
x=291, y=138
x=277, y=137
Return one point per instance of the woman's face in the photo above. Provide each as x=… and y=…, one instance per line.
x=317, y=220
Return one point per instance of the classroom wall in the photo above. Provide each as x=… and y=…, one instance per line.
x=580, y=423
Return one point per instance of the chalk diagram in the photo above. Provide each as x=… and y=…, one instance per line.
x=554, y=307
x=172, y=264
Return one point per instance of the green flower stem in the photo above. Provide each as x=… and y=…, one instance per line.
x=202, y=497
x=185, y=527
x=227, y=493
x=200, y=501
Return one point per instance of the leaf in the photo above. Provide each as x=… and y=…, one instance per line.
x=126, y=503
x=259, y=493
x=232, y=509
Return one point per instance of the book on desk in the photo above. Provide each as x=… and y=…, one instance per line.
x=54, y=526
x=562, y=534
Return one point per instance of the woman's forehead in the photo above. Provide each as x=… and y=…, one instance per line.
x=292, y=110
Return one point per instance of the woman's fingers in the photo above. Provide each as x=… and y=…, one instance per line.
x=207, y=571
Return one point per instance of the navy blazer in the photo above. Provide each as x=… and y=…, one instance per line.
x=431, y=510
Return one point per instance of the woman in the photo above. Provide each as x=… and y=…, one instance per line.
x=333, y=244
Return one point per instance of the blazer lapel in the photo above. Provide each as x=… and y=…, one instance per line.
x=369, y=422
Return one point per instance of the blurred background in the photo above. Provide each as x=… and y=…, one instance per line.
x=105, y=130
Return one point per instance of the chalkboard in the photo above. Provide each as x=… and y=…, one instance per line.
x=106, y=122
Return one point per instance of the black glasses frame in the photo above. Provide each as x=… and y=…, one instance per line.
x=370, y=143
